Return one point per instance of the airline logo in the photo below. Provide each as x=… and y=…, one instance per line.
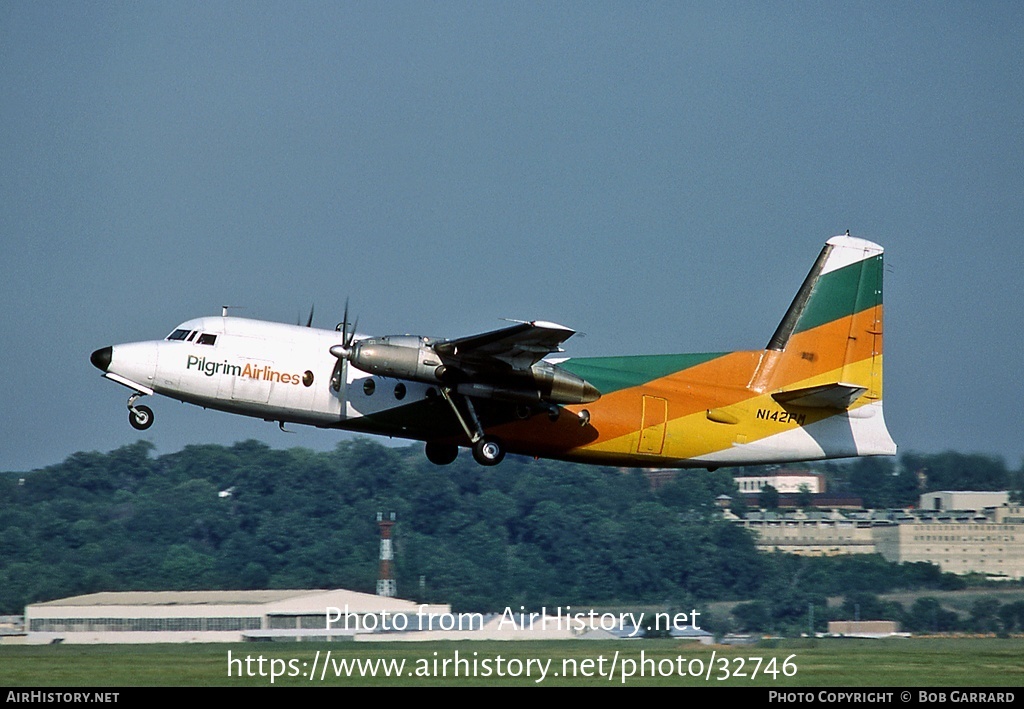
x=247, y=371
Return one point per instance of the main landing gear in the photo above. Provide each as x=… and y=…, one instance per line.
x=487, y=450
x=140, y=417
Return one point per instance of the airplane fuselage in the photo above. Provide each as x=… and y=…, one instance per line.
x=815, y=392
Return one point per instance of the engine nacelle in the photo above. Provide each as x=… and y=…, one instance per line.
x=411, y=357
x=397, y=356
x=561, y=387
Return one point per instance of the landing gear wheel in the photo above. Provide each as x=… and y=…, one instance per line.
x=140, y=417
x=441, y=453
x=488, y=451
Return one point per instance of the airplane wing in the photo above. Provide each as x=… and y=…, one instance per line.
x=518, y=347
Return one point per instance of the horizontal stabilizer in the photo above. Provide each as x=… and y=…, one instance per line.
x=825, y=396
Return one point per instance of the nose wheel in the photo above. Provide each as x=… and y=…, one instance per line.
x=140, y=417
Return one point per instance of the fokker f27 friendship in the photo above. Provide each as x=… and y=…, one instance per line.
x=814, y=392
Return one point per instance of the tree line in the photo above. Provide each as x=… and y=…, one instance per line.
x=527, y=532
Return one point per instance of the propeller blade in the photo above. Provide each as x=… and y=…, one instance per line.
x=343, y=325
x=347, y=335
x=309, y=322
x=341, y=351
x=351, y=335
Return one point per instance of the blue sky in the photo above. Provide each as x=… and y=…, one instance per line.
x=659, y=176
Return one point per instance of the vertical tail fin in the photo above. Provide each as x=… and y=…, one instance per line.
x=833, y=328
x=845, y=280
x=827, y=351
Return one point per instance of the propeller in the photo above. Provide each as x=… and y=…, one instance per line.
x=343, y=350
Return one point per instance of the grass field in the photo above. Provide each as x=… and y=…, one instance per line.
x=928, y=662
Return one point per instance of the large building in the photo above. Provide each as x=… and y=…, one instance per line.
x=785, y=481
x=982, y=539
x=222, y=616
x=968, y=501
x=812, y=534
x=990, y=544
x=316, y=615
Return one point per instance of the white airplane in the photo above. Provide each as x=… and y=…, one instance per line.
x=814, y=392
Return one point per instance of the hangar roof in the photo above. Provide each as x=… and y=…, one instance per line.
x=269, y=602
x=176, y=598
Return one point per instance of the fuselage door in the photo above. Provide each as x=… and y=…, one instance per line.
x=653, y=424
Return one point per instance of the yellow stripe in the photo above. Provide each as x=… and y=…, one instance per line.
x=694, y=435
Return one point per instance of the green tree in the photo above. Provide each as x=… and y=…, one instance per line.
x=804, y=497
x=959, y=471
x=1011, y=616
x=927, y=615
x=753, y=617
x=871, y=480
x=184, y=568
x=768, y=498
x=985, y=615
x=864, y=605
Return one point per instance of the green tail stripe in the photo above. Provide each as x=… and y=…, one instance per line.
x=610, y=374
x=842, y=293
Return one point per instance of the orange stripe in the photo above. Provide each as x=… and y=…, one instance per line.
x=720, y=382
x=828, y=347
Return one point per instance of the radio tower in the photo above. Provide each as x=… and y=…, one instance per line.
x=386, y=584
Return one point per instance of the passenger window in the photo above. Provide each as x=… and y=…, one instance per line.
x=206, y=339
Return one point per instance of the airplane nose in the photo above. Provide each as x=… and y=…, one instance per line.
x=101, y=358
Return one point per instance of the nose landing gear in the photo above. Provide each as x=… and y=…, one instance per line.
x=140, y=417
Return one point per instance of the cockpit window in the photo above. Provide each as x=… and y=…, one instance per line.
x=206, y=339
x=191, y=335
x=178, y=334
